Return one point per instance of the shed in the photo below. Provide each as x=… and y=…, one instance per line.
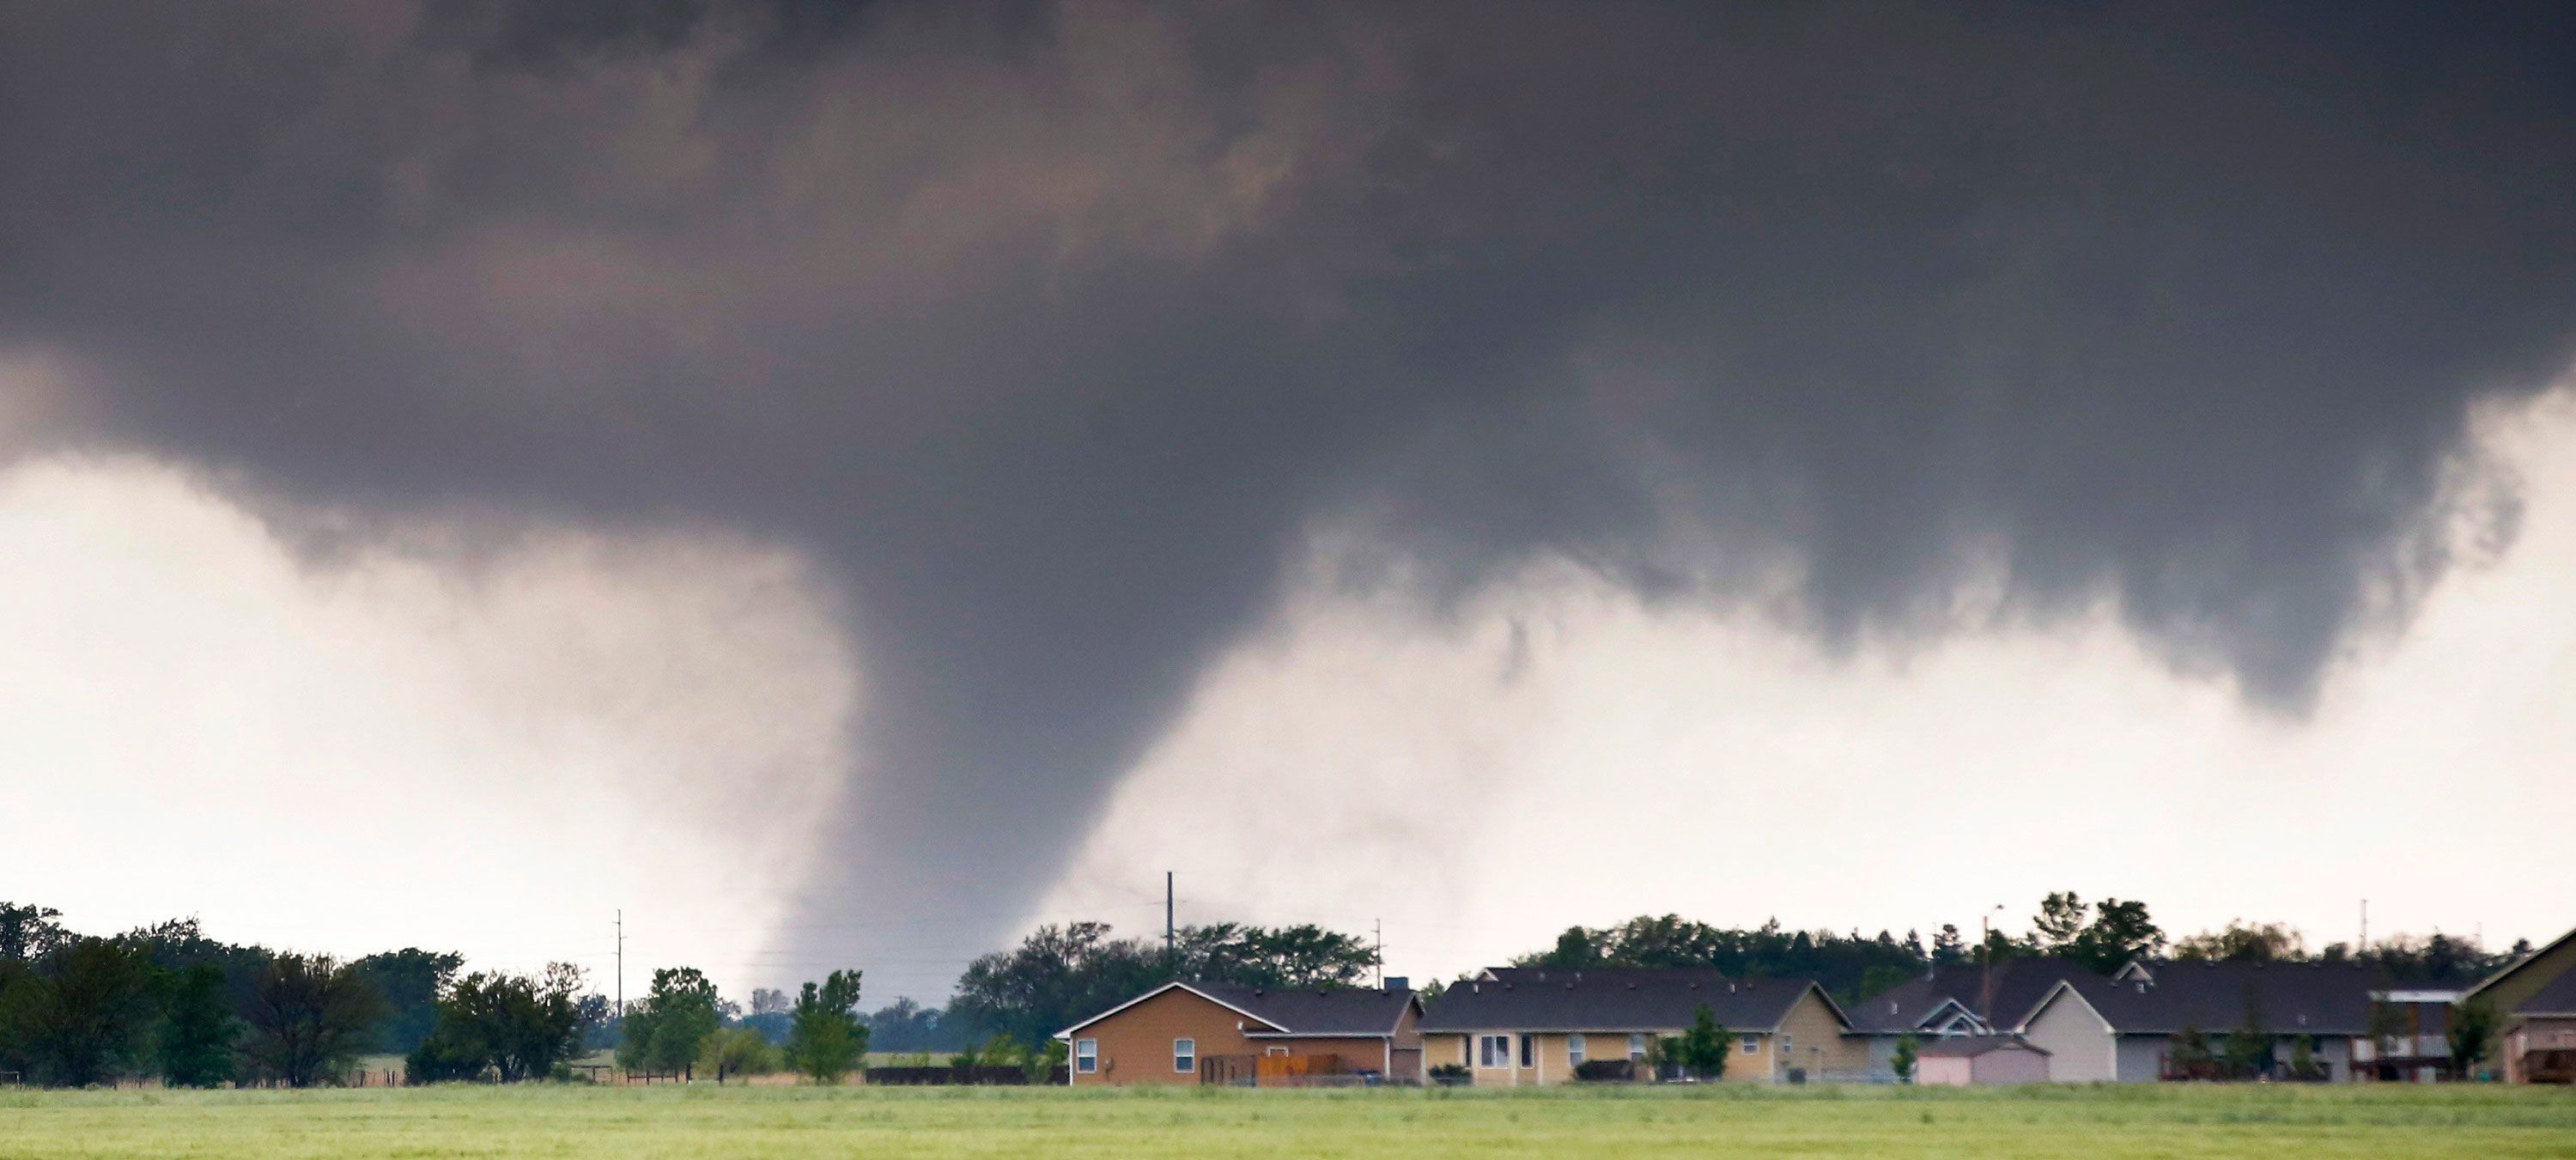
x=1981, y=1059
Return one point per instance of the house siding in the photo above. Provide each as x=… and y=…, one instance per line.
x=1819, y=1044
x=2142, y=1057
x=1136, y=1044
x=2079, y=1043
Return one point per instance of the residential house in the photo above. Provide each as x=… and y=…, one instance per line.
x=1981, y=1059
x=1194, y=1032
x=2123, y=1029
x=1961, y=1000
x=2535, y=1006
x=2414, y=1045
x=1512, y=1026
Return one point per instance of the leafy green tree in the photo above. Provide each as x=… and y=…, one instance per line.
x=522, y=1027
x=2248, y=1050
x=309, y=1017
x=730, y=1051
x=1706, y=1045
x=91, y=1012
x=2060, y=919
x=197, y=1028
x=827, y=1040
x=665, y=1032
x=29, y=933
x=2120, y=932
x=2303, y=1058
x=412, y=981
x=2473, y=1027
x=2244, y=942
x=1908, y=1048
x=2190, y=1056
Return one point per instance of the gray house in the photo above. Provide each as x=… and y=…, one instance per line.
x=1955, y=1002
x=2123, y=1029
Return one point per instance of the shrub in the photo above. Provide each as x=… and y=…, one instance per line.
x=1604, y=1069
x=1450, y=1074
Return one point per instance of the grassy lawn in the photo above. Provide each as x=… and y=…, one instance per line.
x=735, y=1121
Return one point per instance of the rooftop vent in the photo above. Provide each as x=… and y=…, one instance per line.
x=1399, y=982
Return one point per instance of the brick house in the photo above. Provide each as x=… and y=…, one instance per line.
x=1214, y=1033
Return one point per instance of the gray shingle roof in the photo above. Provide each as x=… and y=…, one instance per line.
x=1618, y=999
x=1974, y=1045
x=2017, y=986
x=1309, y=1011
x=2557, y=997
x=2289, y=998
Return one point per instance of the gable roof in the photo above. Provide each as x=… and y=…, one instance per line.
x=2003, y=999
x=2556, y=997
x=2288, y=998
x=2520, y=965
x=1616, y=999
x=1339, y=1012
x=1970, y=1046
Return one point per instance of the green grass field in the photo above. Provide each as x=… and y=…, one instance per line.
x=703, y=1120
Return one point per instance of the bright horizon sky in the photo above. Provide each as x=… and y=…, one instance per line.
x=392, y=748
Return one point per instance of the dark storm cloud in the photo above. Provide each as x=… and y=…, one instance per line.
x=1055, y=328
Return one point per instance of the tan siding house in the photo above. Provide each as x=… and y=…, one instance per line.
x=1519, y=1027
x=1189, y=1033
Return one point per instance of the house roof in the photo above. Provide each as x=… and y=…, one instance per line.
x=1975, y=1045
x=1337, y=1012
x=2521, y=964
x=2018, y=984
x=2557, y=997
x=1617, y=999
x=2288, y=998
x=1904, y=1007
x=1340, y=1012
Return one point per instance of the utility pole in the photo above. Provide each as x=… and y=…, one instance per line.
x=1170, y=945
x=1377, y=928
x=621, y=972
x=2365, y=926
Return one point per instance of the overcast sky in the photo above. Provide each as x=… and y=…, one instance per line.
x=845, y=483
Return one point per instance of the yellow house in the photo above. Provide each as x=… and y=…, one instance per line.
x=1511, y=1026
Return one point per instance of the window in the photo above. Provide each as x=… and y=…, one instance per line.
x=1637, y=1049
x=1786, y=1042
x=1526, y=1041
x=1185, y=1055
x=1494, y=1051
x=1752, y=1044
x=1574, y=1049
x=1086, y=1055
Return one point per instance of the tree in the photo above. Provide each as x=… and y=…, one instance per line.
x=2190, y=1057
x=2303, y=1058
x=90, y=1010
x=677, y=1015
x=1706, y=1045
x=1058, y=974
x=2244, y=942
x=29, y=933
x=1948, y=949
x=2120, y=932
x=197, y=1029
x=411, y=980
x=2473, y=1025
x=1907, y=1048
x=309, y=1016
x=521, y=1027
x=736, y=1051
x=828, y=1041
x=2059, y=921
x=2248, y=1050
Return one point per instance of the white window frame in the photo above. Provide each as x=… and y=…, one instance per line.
x=1185, y=1056
x=1490, y=1048
x=1086, y=1056
x=1752, y=1045
x=1574, y=1049
x=1637, y=1047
